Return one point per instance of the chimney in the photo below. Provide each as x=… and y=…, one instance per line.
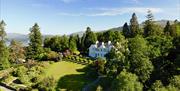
x=97, y=42
x=102, y=43
x=109, y=42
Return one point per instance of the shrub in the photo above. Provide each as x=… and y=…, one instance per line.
x=47, y=84
x=99, y=88
x=53, y=56
x=24, y=79
x=42, y=56
x=7, y=78
x=21, y=71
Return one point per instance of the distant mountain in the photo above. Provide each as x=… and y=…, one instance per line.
x=24, y=38
x=162, y=23
x=78, y=33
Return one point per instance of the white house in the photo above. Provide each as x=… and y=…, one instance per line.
x=100, y=49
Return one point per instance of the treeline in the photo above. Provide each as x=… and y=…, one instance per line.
x=143, y=59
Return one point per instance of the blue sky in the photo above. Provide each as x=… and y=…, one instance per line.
x=68, y=16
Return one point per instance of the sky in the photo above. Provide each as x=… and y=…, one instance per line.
x=69, y=16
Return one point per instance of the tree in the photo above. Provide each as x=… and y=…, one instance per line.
x=174, y=29
x=118, y=56
x=134, y=26
x=35, y=46
x=47, y=42
x=4, y=53
x=117, y=37
x=126, y=30
x=89, y=39
x=100, y=36
x=2, y=30
x=150, y=28
x=73, y=43
x=64, y=42
x=57, y=43
x=82, y=43
x=16, y=51
x=158, y=86
x=108, y=35
x=126, y=81
x=138, y=57
x=78, y=42
x=167, y=28
x=53, y=43
x=175, y=81
x=148, y=23
x=159, y=45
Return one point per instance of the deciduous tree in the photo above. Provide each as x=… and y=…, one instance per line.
x=17, y=51
x=139, y=60
x=126, y=81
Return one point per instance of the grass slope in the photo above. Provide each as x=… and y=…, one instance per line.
x=67, y=75
x=60, y=69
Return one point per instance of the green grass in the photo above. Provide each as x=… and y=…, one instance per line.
x=60, y=69
x=68, y=75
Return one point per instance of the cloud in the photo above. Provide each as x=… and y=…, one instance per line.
x=113, y=11
x=70, y=14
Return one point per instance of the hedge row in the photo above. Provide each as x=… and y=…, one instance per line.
x=78, y=59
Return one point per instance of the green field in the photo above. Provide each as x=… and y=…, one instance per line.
x=68, y=75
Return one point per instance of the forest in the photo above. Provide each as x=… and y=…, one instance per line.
x=145, y=58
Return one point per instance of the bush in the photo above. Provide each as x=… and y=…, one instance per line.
x=24, y=79
x=20, y=71
x=47, y=84
x=53, y=56
x=99, y=88
x=7, y=78
x=42, y=56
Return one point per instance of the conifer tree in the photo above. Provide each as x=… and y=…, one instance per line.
x=134, y=26
x=89, y=39
x=148, y=23
x=4, y=53
x=150, y=28
x=167, y=28
x=2, y=30
x=126, y=31
x=35, y=46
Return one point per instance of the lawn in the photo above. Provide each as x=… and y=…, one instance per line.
x=68, y=75
x=60, y=69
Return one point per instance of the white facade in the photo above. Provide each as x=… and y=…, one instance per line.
x=100, y=49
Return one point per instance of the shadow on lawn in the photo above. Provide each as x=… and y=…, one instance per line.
x=74, y=82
